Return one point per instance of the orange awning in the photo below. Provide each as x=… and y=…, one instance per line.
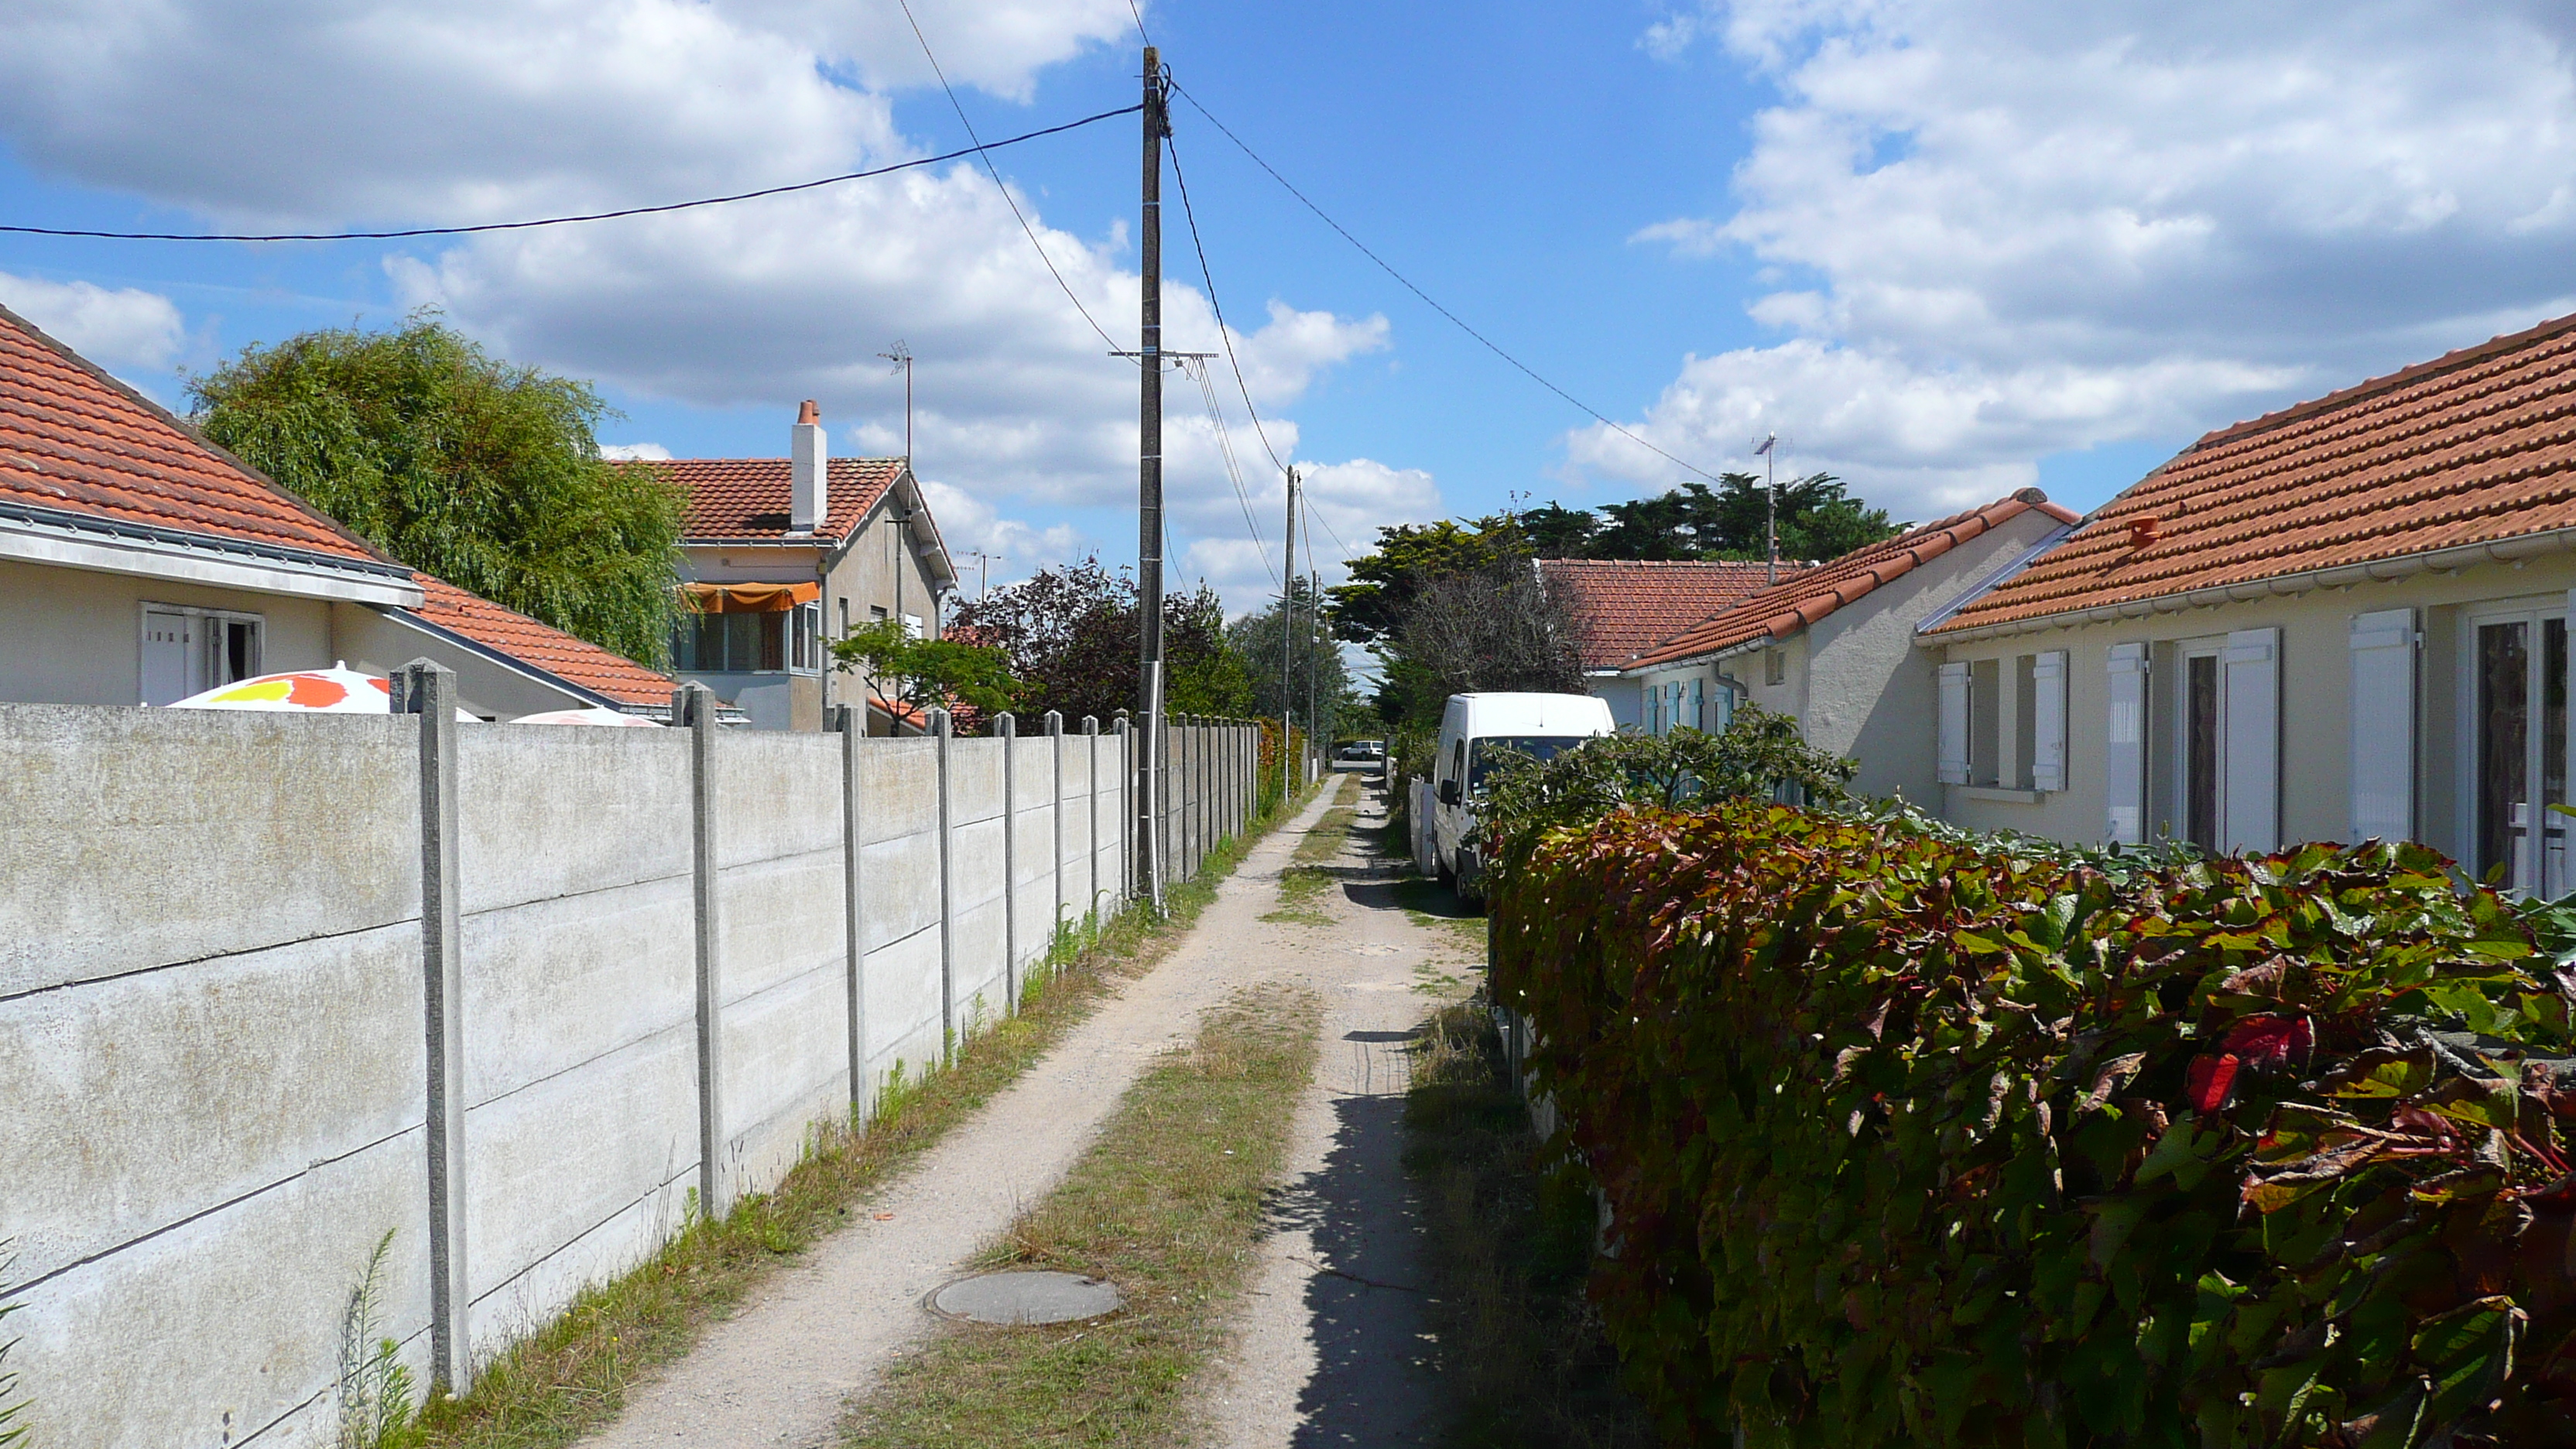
x=747, y=598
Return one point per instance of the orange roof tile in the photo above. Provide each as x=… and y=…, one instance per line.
x=1622, y=607
x=1795, y=604
x=540, y=646
x=75, y=441
x=748, y=498
x=2475, y=447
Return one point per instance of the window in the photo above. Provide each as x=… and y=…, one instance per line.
x=1775, y=666
x=189, y=651
x=806, y=653
x=1985, y=721
x=733, y=643
x=2518, y=750
x=2227, y=742
x=1492, y=751
x=912, y=626
x=2200, y=750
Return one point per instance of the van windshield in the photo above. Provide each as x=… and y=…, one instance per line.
x=1486, y=755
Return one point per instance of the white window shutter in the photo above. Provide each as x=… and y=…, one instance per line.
x=2383, y=725
x=2048, y=721
x=2251, y=772
x=1954, y=724
x=2124, y=755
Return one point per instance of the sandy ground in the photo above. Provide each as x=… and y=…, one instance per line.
x=779, y=1371
x=1332, y=1348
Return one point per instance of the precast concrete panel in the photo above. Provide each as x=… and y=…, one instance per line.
x=978, y=866
x=548, y=1164
x=899, y=895
x=559, y=811
x=786, y=1076
x=133, y=1104
x=553, y=985
x=898, y=788
x=902, y=983
x=979, y=968
x=543, y=1289
x=975, y=782
x=781, y=918
x=224, y=1328
x=777, y=794
x=141, y=837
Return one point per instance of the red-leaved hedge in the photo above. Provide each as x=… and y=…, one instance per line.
x=1929, y=1141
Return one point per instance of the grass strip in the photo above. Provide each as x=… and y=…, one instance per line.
x=1303, y=884
x=1507, y=1246
x=1167, y=1205
x=572, y=1376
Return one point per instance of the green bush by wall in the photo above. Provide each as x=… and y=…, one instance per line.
x=1911, y=1138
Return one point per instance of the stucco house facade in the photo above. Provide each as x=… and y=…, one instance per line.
x=2344, y=620
x=140, y=564
x=783, y=555
x=1834, y=647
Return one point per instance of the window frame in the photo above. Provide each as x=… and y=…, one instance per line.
x=2537, y=614
x=206, y=650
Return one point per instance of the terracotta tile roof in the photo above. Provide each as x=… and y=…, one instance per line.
x=73, y=440
x=1622, y=607
x=540, y=646
x=733, y=498
x=2475, y=447
x=1776, y=613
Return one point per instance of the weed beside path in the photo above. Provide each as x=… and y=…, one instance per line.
x=574, y=1376
x=1166, y=1204
x=1507, y=1249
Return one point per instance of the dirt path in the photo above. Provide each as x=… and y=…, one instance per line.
x=780, y=1369
x=1333, y=1347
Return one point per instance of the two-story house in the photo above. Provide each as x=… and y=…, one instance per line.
x=783, y=555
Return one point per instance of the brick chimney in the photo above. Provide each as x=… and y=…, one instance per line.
x=809, y=465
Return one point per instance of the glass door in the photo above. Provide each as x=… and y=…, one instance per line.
x=2518, y=723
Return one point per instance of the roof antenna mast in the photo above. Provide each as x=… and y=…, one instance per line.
x=1770, y=511
x=901, y=357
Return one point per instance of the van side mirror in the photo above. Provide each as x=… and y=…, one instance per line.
x=1448, y=792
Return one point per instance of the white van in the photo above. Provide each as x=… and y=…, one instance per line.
x=1477, y=731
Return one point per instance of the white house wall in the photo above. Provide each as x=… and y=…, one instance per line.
x=76, y=636
x=2315, y=703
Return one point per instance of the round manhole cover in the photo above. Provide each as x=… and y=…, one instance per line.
x=1025, y=1298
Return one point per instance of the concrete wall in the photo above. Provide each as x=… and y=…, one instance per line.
x=213, y=1079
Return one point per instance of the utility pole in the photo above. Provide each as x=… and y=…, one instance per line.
x=1770, y=511
x=984, y=570
x=1287, y=637
x=1149, y=486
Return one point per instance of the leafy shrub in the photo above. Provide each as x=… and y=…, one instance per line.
x=1913, y=1139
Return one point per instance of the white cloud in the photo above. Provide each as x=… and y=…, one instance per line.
x=2006, y=228
x=1346, y=503
x=631, y=452
x=125, y=329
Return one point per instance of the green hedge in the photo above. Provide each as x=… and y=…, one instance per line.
x=1911, y=1140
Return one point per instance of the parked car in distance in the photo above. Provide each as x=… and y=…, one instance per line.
x=1361, y=753
x=1479, y=731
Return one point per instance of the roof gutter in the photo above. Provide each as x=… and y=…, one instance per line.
x=67, y=539
x=1759, y=641
x=2340, y=576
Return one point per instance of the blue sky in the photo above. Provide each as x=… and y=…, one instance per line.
x=1945, y=249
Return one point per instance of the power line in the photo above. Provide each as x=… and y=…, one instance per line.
x=564, y=220
x=1233, y=469
x=1490, y=345
x=995, y=172
x=1224, y=334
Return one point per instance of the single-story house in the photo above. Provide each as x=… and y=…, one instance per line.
x=1834, y=647
x=141, y=564
x=1622, y=607
x=784, y=555
x=2343, y=620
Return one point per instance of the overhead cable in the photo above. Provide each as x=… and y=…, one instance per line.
x=567, y=220
x=1198, y=371
x=1490, y=345
x=1224, y=334
x=996, y=173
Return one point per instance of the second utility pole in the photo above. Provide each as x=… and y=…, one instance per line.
x=1287, y=639
x=1149, y=495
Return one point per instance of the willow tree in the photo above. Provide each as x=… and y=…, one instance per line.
x=461, y=464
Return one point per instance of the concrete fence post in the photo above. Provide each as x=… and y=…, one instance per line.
x=1091, y=862
x=941, y=730
x=851, y=724
x=693, y=707
x=428, y=689
x=1006, y=728
x=1126, y=825
x=1055, y=739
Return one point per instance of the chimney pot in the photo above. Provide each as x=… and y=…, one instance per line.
x=807, y=412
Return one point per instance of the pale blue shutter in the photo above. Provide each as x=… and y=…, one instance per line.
x=2124, y=754
x=1954, y=724
x=2383, y=725
x=2251, y=773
